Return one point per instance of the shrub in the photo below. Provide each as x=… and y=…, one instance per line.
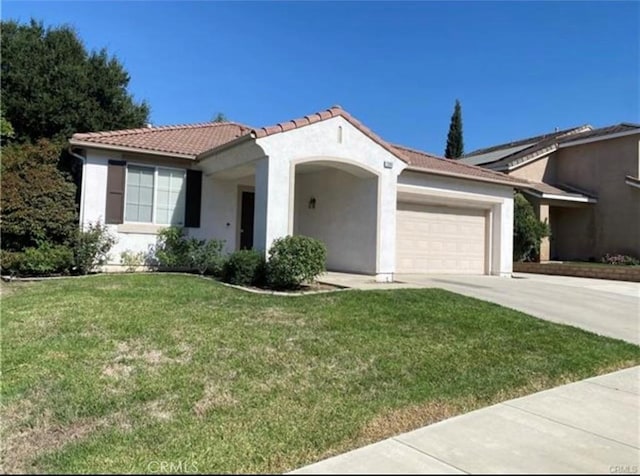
x=294, y=260
x=45, y=259
x=528, y=231
x=206, y=256
x=173, y=249
x=131, y=260
x=622, y=260
x=92, y=247
x=37, y=198
x=244, y=267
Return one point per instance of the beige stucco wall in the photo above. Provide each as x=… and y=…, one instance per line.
x=613, y=224
x=540, y=170
x=344, y=217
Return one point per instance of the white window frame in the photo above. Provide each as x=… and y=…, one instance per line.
x=155, y=193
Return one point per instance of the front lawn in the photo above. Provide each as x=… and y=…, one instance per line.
x=125, y=373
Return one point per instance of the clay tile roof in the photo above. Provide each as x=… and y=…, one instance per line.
x=186, y=140
x=192, y=141
x=440, y=165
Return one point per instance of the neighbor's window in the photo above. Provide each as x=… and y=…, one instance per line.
x=155, y=195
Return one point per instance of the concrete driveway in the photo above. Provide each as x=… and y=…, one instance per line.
x=610, y=308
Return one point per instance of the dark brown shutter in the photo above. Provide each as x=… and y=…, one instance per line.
x=194, y=197
x=114, y=212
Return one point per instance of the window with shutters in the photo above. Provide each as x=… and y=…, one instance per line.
x=155, y=195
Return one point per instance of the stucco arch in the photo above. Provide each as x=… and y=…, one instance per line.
x=336, y=200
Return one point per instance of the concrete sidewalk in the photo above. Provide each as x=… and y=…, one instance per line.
x=592, y=426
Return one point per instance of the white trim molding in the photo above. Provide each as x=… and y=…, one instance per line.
x=564, y=198
x=632, y=181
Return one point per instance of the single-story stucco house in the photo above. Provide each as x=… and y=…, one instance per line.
x=380, y=208
x=584, y=182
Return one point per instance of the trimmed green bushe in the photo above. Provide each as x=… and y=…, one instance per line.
x=294, y=260
x=244, y=268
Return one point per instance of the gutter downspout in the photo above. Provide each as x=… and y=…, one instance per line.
x=82, y=184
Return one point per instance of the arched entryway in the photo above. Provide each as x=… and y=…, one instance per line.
x=336, y=201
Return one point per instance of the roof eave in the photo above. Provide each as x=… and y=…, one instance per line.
x=632, y=181
x=599, y=138
x=564, y=198
x=136, y=150
x=413, y=168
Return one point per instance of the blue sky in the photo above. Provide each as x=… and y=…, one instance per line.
x=519, y=68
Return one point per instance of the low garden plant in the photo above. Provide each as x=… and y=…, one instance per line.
x=621, y=260
x=245, y=268
x=294, y=260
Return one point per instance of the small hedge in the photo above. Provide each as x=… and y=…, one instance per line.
x=87, y=251
x=174, y=250
x=294, y=260
x=45, y=259
x=244, y=267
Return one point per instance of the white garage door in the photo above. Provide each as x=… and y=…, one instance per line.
x=436, y=239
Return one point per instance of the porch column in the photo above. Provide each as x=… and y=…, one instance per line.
x=387, y=195
x=271, y=219
x=542, y=213
x=502, y=238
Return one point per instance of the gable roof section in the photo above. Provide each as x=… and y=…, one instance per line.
x=508, y=156
x=333, y=111
x=601, y=133
x=197, y=140
x=186, y=141
x=503, y=156
x=528, y=141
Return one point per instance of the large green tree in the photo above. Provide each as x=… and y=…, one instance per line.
x=52, y=86
x=37, y=202
x=455, y=142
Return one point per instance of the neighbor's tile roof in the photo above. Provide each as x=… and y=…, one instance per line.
x=432, y=163
x=560, y=190
x=186, y=140
x=192, y=141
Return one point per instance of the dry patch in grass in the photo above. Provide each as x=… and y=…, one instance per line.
x=27, y=436
x=159, y=410
x=117, y=371
x=401, y=420
x=277, y=315
x=136, y=351
x=214, y=397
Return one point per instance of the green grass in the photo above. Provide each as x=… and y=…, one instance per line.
x=123, y=373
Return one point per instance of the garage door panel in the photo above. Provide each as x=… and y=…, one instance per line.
x=435, y=239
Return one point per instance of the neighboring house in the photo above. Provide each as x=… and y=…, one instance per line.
x=381, y=209
x=584, y=183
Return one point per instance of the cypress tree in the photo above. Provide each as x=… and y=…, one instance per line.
x=455, y=143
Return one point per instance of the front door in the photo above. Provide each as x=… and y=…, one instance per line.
x=246, y=220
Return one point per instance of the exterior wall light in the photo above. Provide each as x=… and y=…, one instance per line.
x=312, y=202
